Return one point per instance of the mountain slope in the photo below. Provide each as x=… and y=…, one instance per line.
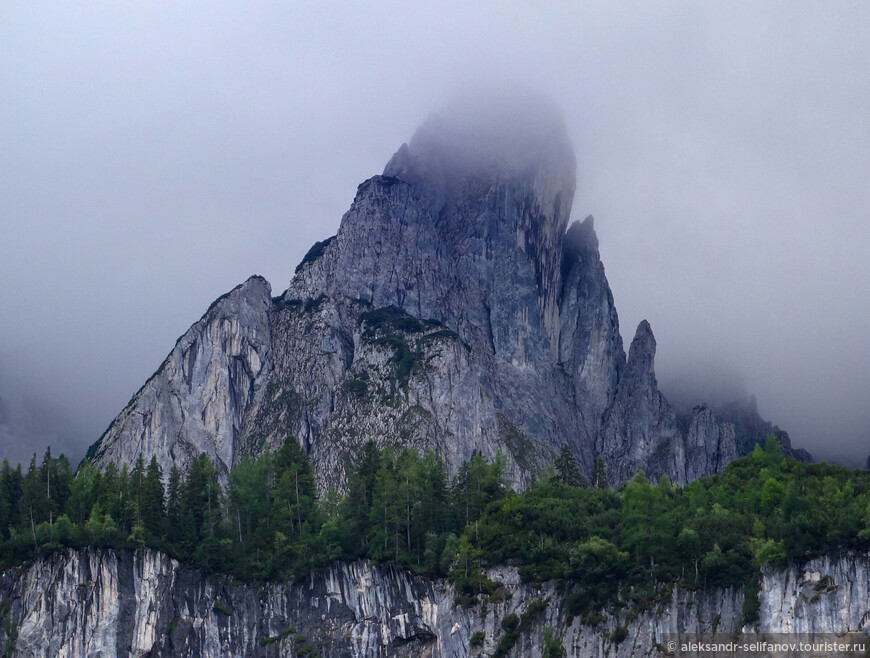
x=452, y=311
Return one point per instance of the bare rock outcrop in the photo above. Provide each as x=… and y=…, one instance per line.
x=96, y=602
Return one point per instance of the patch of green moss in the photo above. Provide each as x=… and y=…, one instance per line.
x=441, y=334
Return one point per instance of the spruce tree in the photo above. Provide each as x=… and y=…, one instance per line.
x=173, y=512
x=567, y=469
x=84, y=493
x=358, y=503
x=599, y=475
x=137, y=484
x=33, y=508
x=151, y=501
x=10, y=495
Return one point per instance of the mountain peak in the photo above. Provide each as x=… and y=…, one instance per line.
x=482, y=141
x=642, y=354
x=481, y=134
x=451, y=311
x=581, y=237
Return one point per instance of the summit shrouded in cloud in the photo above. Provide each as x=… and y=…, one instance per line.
x=155, y=156
x=508, y=130
x=451, y=312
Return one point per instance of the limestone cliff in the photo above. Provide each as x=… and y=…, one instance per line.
x=101, y=603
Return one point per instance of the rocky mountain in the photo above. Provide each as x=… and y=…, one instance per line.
x=94, y=602
x=454, y=310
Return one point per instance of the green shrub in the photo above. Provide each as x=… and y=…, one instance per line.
x=219, y=607
x=312, y=305
x=355, y=387
x=552, y=647
x=390, y=319
x=619, y=635
x=751, y=605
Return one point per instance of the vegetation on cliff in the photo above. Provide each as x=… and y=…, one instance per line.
x=603, y=546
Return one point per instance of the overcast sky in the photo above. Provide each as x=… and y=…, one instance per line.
x=153, y=155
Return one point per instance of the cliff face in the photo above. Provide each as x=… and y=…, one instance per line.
x=100, y=603
x=453, y=312
x=199, y=398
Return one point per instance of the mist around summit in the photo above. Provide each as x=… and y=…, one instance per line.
x=159, y=156
x=448, y=330
x=487, y=128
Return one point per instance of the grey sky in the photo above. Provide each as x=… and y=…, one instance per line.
x=154, y=155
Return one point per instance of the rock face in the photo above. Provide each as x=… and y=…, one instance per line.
x=199, y=398
x=748, y=426
x=98, y=603
x=452, y=312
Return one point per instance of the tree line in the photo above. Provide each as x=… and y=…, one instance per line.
x=266, y=523
x=602, y=546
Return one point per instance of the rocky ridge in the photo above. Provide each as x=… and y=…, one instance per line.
x=452, y=311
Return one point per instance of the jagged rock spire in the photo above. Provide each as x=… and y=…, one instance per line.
x=640, y=429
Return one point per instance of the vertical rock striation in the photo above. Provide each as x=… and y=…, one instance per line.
x=98, y=603
x=199, y=398
x=590, y=346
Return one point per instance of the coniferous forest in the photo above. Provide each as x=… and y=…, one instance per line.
x=267, y=523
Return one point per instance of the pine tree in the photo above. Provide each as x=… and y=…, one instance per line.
x=125, y=510
x=478, y=484
x=84, y=492
x=199, y=497
x=173, y=513
x=46, y=477
x=109, y=489
x=293, y=507
x=599, y=475
x=137, y=484
x=567, y=469
x=294, y=489
x=10, y=495
x=63, y=477
x=358, y=503
x=151, y=501
x=434, y=507
x=249, y=513
x=644, y=523
x=387, y=510
x=34, y=505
